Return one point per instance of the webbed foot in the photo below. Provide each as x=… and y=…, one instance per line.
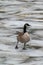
x=16, y=47
x=24, y=48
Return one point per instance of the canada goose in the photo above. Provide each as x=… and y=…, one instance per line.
x=23, y=37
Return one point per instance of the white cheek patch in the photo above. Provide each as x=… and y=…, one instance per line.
x=28, y=28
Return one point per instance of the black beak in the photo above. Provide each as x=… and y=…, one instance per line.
x=29, y=25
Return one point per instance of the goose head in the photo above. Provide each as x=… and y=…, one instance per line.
x=25, y=26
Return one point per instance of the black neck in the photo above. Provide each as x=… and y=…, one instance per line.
x=24, y=28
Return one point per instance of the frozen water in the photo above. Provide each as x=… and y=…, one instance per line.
x=13, y=15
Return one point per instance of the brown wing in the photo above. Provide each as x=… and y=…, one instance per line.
x=19, y=37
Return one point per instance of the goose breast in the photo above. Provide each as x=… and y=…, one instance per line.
x=23, y=38
x=26, y=37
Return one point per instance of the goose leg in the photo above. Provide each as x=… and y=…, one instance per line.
x=16, y=45
x=24, y=46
